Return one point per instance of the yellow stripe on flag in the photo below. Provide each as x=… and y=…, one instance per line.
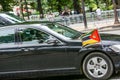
x=90, y=41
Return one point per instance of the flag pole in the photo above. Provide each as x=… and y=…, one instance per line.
x=100, y=37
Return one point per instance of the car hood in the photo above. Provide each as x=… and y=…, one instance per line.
x=109, y=42
x=106, y=40
x=111, y=37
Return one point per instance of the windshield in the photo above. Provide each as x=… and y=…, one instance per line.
x=64, y=30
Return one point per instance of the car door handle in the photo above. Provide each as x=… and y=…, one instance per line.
x=25, y=49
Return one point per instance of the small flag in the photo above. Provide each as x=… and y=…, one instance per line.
x=91, y=37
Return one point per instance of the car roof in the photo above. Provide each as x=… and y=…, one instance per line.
x=24, y=26
x=11, y=18
x=35, y=22
x=29, y=22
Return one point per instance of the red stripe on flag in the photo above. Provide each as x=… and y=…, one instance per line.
x=95, y=35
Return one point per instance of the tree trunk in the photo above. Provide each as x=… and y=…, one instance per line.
x=115, y=13
x=21, y=9
x=26, y=7
x=40, y=8
x=84, y=14
x=76, y=6
x=59, y=7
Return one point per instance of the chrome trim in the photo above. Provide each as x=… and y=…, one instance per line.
x=27, y=71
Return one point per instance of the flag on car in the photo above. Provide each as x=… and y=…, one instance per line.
x=91, y=37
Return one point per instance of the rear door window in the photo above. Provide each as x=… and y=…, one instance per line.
x=7, y=37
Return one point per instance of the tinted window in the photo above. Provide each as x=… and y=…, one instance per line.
x=32, y=36
x=7, y=36
x=66, y=31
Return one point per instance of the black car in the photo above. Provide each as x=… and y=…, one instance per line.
x=34, y=50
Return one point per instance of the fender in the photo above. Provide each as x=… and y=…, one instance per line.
x=84, y=51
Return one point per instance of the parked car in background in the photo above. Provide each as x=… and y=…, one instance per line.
x=40, y=50
x=9, y=18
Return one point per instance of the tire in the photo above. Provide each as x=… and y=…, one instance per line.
x=97, y=66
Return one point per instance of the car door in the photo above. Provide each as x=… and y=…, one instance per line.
x=8, y=50
x=39, y=52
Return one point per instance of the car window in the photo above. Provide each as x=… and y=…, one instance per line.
x=66, y=31
x=7, y=37
x=33, y=36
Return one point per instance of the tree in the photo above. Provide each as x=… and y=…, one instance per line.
x=108, y=3
x=6, y=4
x=21, y=9
x=115, y=13
x=50, y=4
x=58, y=5
x=97, y=3
x=33, y=5
x=76, y=6
x=92, y=4
x=119, y=3
x=26, y=7
x=84, y=15
x=39, y=8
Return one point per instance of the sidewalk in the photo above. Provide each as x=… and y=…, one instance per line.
x=102, y=25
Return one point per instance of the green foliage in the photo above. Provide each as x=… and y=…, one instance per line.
x=33, y=5
x=91, y=4
x=59, y=5
x=53, y=4
x=103, y=4
x=6, y=4
x=110, y=7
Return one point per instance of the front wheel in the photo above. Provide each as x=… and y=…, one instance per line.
x=97, y=66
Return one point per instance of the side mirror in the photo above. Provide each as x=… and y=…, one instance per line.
x=52, y=41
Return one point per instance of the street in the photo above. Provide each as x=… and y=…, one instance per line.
x=74, y=77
